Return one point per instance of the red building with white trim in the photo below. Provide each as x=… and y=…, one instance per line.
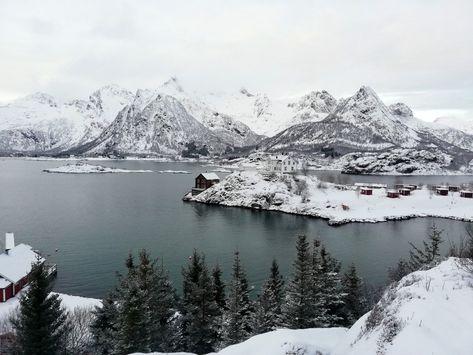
x=15, y=267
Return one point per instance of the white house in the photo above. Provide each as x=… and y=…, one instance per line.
x=282, y=164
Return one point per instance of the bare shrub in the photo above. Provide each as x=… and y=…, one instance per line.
x=79, y=339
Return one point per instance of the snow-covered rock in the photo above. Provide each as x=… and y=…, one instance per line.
x=306, y=195
x=461, y=124
x=397, y=161
x=82, y=168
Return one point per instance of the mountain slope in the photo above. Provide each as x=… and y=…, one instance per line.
x=364, y=123
x=40, y=123
x=230, y=130
x=267, y=116
x=153, y=124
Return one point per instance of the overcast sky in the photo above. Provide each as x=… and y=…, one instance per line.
x=416, y=51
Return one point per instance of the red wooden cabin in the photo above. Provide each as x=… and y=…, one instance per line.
x=466, y=194
x=392, y=193
x=366, y=191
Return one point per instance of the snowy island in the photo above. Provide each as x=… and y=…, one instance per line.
x=339, y=204
x=82, y=168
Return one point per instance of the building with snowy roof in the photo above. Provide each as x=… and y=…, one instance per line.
x=15, y=267
x=282, y=164
x=203, y=181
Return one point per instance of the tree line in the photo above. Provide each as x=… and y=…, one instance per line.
x=145, y=313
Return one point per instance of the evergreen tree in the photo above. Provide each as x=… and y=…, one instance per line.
x=402, y=269
x=218, y=287
x=332, y=297
x=430, y=253
x=317, y=299
x=268, y=309
x=354, y=300
x=298, y=310
x=131, y=320
x=41, y=325
x=219, y=296
x=159, y=303
x=239, y=308
x=199, y=307
x=103, y=328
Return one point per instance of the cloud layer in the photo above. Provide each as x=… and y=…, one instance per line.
x=417, y=51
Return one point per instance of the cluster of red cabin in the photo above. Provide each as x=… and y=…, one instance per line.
x=406, y=190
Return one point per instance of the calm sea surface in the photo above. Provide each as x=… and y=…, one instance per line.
x=95, y=220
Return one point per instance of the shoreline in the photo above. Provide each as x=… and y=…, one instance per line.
x=337, y=204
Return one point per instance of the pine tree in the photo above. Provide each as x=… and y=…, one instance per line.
x=218, y=287
x=330, y=282
x=239, y=308
x=131, y=320
x=429, y=254
x=41, y=325
x=159, y=303
x=103, y=328
x=268, y=308
x=299, y=301
x=354, y=300
x=199, y=307
x=317, y=294
x=219, y=296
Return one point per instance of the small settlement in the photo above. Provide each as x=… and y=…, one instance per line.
x=15, y=267
x=406, y=190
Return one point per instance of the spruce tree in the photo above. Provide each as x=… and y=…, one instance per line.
x=298, y=310
x=430, y=253
x=317, y=295
x=331, y=295
x=103, y=328
x=218, y=287
x=354, y=301
x=268, y=308
x=41, y=324
x=199, y=307
x=239, y=308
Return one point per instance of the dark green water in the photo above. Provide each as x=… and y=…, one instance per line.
x=95, y=220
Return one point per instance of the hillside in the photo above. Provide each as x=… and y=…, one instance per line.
x=427, y=312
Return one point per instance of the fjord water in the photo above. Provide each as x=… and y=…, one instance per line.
x=95, y=220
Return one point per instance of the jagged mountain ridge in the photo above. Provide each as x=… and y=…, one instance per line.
x=41, y=123
x=156, y=125
x=364, y=123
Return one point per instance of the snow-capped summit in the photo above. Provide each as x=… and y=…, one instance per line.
x=41, y=123
x=401, y=110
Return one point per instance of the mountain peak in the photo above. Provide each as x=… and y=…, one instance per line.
x=173, y=83
x=39, y=97
x=401, y=110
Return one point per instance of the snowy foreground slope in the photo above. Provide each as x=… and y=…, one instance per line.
x=306, y=195
x=427, y=312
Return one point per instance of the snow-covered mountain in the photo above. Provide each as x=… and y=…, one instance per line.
x=153, y=124
x=228, y=128
x=41, y=123
x=267, y=116
x=462, y=124
x=364, y=123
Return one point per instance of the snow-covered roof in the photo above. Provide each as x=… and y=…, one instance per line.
x=210, y=176
x=278, y=157
x=17, y=263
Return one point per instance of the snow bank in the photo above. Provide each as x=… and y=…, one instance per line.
x=81, y=168
x=306, y=195
x=68, y=301
x=427, y=312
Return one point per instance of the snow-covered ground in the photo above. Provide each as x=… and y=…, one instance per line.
x=306, y=195
x=68, y=301
x=427, y=312
x=81, y=168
